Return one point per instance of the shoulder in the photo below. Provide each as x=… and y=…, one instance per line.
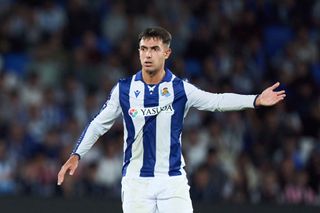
x=184, y=83
x=179, y=86
x=125, y=83
x=125, y=80
x=178, y=80
x=189, y=87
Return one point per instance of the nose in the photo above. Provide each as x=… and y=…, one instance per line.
x=148, y=54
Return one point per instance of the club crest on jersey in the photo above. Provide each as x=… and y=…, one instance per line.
x=165, y=92
x=133, y=112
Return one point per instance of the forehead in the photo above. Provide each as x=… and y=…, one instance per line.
x=150, y=42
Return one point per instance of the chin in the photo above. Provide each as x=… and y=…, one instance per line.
x=150, y=69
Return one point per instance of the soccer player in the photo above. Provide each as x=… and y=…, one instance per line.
x=153, y=104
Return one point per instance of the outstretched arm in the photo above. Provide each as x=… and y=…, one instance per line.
x=203, y=100
x=97, y=127
x=269, y=97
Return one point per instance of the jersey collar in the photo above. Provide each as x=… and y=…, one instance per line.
x=167, y=77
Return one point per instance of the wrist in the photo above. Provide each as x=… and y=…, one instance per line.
x=256, y=102
x=76, y=155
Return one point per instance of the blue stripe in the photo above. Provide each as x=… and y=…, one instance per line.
x=138, y=76
x=178, y=105
x=149, y=133
x=124, y=92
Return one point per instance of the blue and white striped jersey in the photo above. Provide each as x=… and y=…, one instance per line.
x=153, y=119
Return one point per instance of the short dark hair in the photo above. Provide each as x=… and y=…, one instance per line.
x=156, y=32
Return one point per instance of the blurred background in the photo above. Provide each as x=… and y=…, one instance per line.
x=60, y=59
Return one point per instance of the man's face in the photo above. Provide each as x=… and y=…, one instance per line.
x=153, y=53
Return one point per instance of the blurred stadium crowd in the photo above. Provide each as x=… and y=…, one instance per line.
x=59, y=60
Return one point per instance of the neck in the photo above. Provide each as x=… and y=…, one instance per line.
x=154, y=77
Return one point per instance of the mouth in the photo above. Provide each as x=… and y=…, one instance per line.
x=148, y=63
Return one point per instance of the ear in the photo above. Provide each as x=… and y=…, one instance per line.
x=167, y=53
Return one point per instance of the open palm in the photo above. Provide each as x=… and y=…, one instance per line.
x=270, y=97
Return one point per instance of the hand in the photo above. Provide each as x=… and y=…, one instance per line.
x=270, y=97
x=71, y=164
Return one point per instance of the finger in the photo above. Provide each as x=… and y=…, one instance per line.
x=281, y=92
x=72, y=170
x=60, y=180
x=61, y=175
x=273, y=87
x=280, y=98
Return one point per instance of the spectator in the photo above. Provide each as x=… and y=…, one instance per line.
x=7, y=172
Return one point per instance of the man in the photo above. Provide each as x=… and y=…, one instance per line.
x=153, y=103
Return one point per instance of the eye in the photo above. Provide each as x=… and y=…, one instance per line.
x=156, y=49
x=143, y=49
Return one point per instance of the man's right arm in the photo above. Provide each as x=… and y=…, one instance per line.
x=100, y=124
x=97, y=127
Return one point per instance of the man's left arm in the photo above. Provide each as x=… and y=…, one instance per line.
x=203, y=100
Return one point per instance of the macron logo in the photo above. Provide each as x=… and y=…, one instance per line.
x=137, y=92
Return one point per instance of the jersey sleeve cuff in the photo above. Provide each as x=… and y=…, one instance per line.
x=79, y=156
x=254, y=102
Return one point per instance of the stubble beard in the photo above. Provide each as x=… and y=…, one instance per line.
x=151, y=71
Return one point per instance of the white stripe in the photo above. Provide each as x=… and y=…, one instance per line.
x=163, y=133
x=183, y=163
x=136, y=160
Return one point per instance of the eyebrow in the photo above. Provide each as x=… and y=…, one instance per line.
x=149, y=47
